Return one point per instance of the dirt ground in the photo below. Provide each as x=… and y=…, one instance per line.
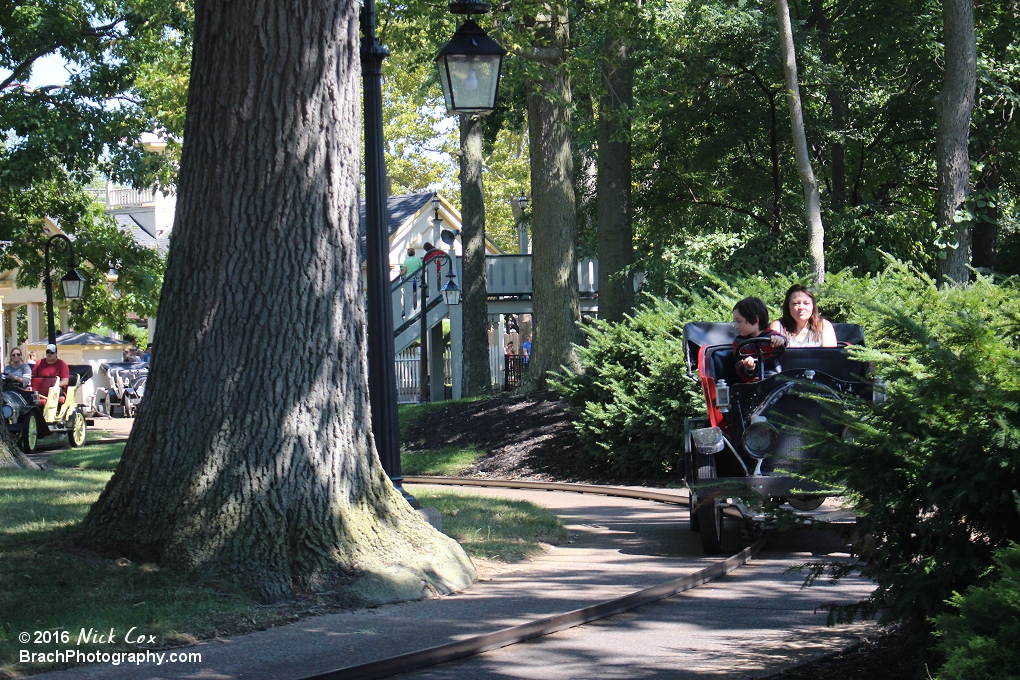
x=533, y=438
x=524, y=437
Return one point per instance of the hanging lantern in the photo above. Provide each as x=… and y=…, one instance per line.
x=469, y=67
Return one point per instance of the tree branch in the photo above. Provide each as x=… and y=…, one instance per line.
x=546, y=54
x=88, y=32
x=727, y=206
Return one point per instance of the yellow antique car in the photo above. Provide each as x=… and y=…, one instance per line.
x=31, y=416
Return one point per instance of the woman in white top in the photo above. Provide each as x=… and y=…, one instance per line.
x=800, y=323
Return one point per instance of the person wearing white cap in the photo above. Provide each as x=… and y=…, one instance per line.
x=51, y=368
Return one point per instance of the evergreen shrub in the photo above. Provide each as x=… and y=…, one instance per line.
x=981, y=636
x=633, y=395
x=932, y=472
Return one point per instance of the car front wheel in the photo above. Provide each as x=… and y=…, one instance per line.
x=806, y=503
x=710, y=523
x=30, y=434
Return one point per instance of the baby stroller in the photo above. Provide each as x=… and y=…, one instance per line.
x=127, y=387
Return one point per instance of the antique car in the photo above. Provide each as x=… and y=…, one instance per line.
x=748, y=447
x=127, y=387
x=46, y=410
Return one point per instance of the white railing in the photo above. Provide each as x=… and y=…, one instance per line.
x=511, y=275
x=123, y=198
x=408, y=368
x=508, y=274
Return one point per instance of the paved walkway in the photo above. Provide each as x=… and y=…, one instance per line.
x=113, y=428
x=755, y=621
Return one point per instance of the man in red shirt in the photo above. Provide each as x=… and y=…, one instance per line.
x=50, y=370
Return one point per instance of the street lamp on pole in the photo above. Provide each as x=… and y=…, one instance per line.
x=522, y=227
x=474, y=70
x=73, y=284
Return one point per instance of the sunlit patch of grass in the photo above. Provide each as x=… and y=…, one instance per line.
x=493, y=528
x=94, y=435
x=91, y=457
x=34, y=504
x=443, y=462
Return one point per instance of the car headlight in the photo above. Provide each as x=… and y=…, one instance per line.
x=760, y=437
x=8, y=412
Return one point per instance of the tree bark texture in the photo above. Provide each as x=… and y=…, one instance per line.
x=477, y=379
x=556, y=307
x=953, y=107
x=812, y=200
x=252, y=454
x=10, y=455
x=613, y=186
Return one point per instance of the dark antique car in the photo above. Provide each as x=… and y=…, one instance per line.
x=749, y=445
x=47, y=409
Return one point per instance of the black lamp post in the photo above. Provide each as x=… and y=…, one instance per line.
x=522, y=231
x=73, y=284
x=382, y=376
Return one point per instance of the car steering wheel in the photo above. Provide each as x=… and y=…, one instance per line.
x=762, y=349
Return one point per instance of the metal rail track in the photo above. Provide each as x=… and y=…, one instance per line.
x=433, y=656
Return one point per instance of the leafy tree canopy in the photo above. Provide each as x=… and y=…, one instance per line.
x=128, y=62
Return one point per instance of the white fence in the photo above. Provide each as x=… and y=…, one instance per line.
x=408, y=367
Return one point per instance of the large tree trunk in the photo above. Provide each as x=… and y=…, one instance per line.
x=10, y=455
x=477, y=379
x=554, y=218
x=252, y=455
x=615, y=233
x=812, y=200
x=953, y=107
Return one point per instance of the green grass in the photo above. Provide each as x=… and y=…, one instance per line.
x=46, y=583
x=93, y=435
x=493, y=528
x=444, y=462
x=90, y=457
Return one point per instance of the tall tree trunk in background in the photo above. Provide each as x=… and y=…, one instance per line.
x=252, y=455
x=953, y=107
x=812, y=200
x=10, y=455
x=615, y=233
x=986, y=230
x=554, y=220
x=477, y=379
